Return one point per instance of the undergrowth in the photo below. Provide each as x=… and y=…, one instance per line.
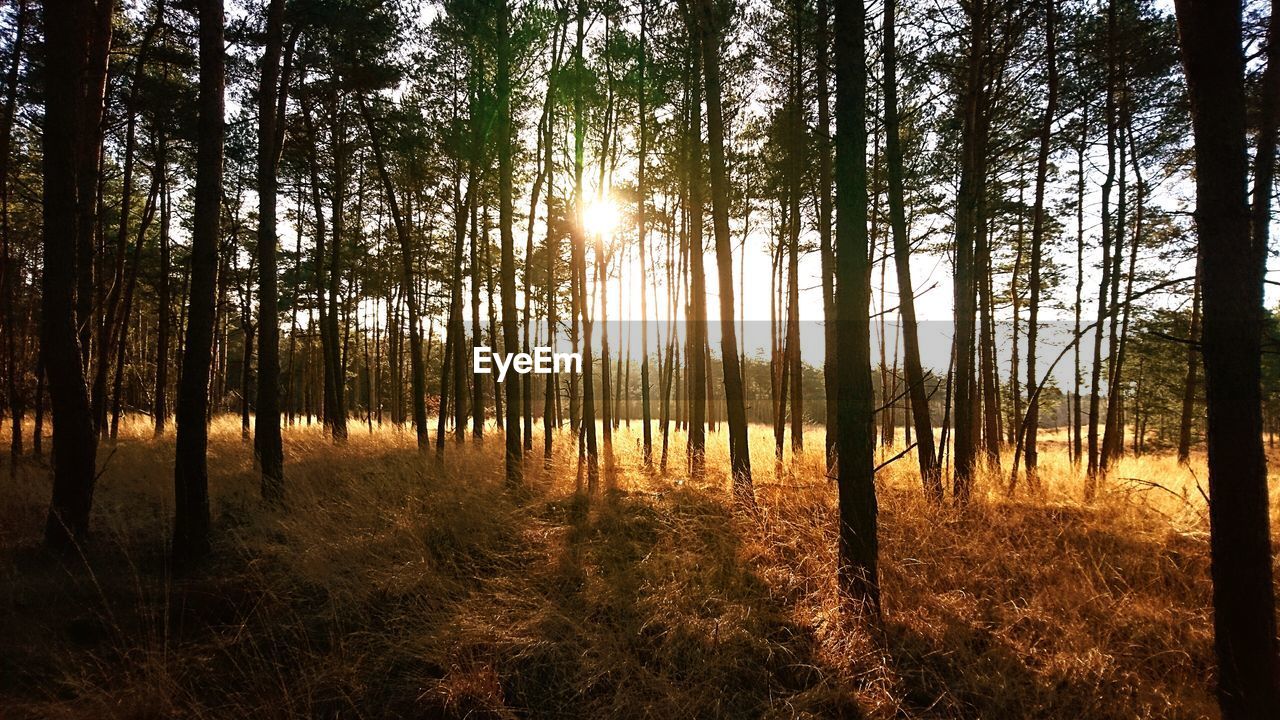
x=397, y=584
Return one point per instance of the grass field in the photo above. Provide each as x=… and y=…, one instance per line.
x=395, y=585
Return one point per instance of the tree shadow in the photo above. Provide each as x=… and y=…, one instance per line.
x=653, y=612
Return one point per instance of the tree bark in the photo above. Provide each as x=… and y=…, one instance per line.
x=510, y=317
x=191, y=473
x=1032, y=423
x=8, y=273
x=641, y=202
x=735, y=401
x=930, y=468
x=1230, y=267
x=69, y=35
x=267, y=443
x=855, y=430
x=417, y=368
x=1190, y=385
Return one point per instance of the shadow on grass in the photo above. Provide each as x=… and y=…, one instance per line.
x=648, y=610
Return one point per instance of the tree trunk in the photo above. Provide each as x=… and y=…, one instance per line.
x=1190, y=385
x=8, y=273
x=587, y=424
x=417, y=368
x=697, y=326
x=930, y=469
x=69, y=34
x=1030, y=427
x=191, y=474
x=89, y=158
x=824, y=223
x=641, y=192
x=160, y=412
x=974, y=137
x=1230, y=268
x=267, y=443
x=510, y=318
x=855, y=431
x=735, y=401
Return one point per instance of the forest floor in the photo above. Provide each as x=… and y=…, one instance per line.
x=394, y=585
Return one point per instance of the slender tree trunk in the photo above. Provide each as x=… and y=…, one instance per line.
x=968, y=221
x=824, y=223
x=930, y=469
x=122, y=342
x=735, y=401
x=1107, y=243
x=1190, y=385
x=89, y=159
x=510, y=318
x=267, y=444
x=697, y=326
x=337, y=374
x=191, y=474
x=641, y=203
x=417, y=368
x=798, y=159
x=1077, y=448
x=552, y=249
x=1032, y=423
x=477, y=380
x=8, y=272
x=986, y=347
x=588, y=419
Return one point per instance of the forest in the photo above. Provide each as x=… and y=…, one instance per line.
x=904, y=359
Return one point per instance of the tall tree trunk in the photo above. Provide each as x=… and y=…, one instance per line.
x=855, y=431
x=417, y=368
x=477, y=380
x=1230, y=267
x=735, y=401
x=337, y=374
x=798, y=148
x=1190, y=385
x=122, y=325
x=552, y=250
x=588, y=419
x=545, y=124
x=69, y=34
x=111, y=321
x=89, y=160
x=1107, y=243
x=987, y=348
x=266, y=437
x=510, y=318
x=930, y=468
x=8, y=273
x=457, y=330
x=697, y=325
x=641, y=203
x=824, y=222
x=191, y=473
x=969, y=198
x=1075, y=418
x=160, y=412
x=1031, y=426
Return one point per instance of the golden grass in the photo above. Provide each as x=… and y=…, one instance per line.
x=398, y=586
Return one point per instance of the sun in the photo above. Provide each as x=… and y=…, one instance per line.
x=600, y=217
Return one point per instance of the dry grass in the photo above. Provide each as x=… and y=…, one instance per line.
x=397, y=586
